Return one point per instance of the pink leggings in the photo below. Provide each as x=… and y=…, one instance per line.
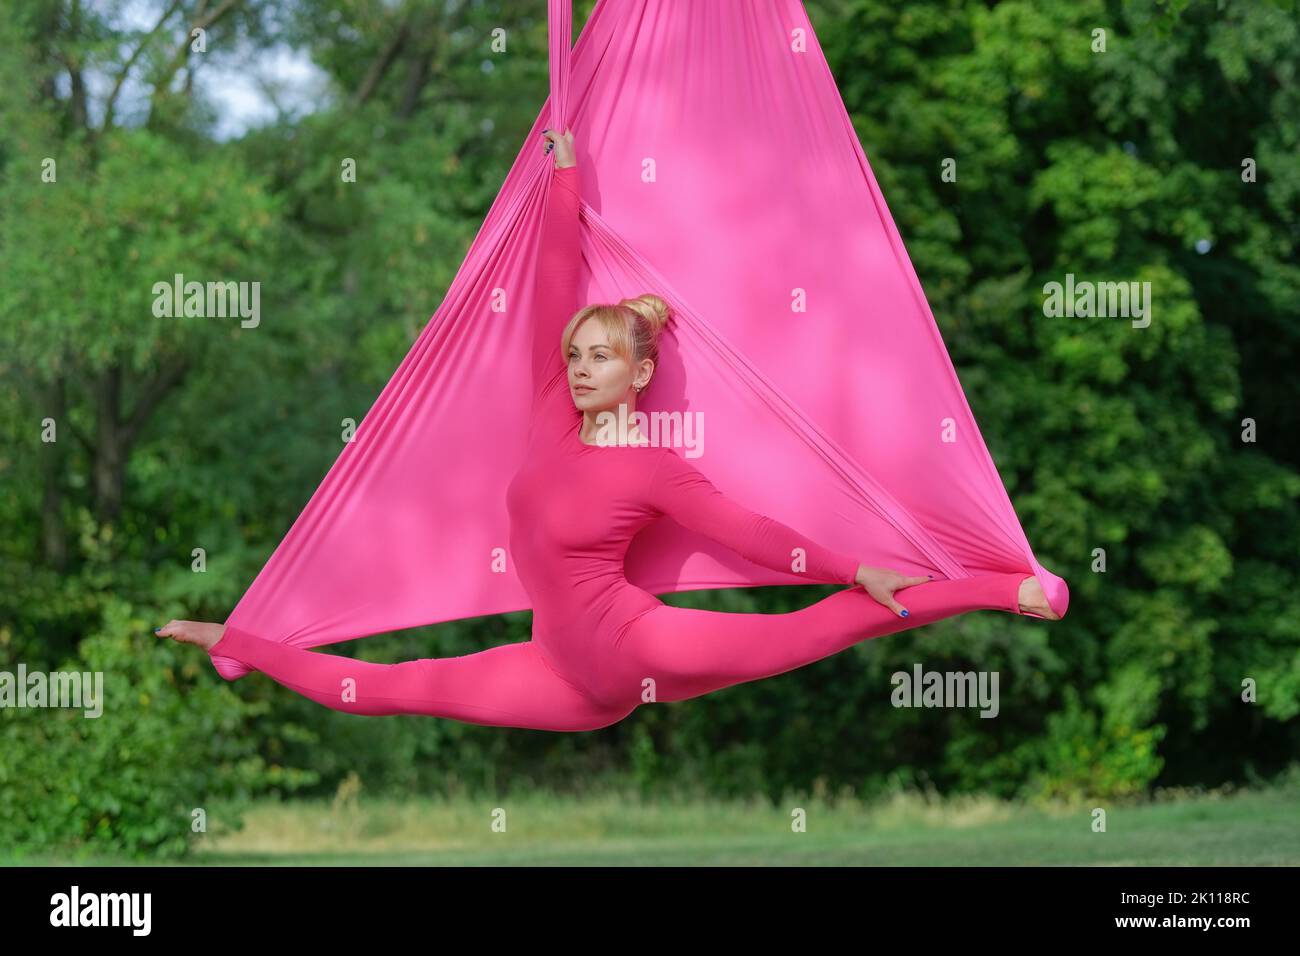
x=667, y=654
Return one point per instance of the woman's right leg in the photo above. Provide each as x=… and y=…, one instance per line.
x=673, y=653
x=504, y=686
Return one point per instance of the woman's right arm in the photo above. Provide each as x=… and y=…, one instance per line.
x=558, y=263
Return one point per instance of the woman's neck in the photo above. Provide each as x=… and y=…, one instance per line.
x=624, y=428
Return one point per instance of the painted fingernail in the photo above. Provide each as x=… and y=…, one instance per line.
x=930, y=576
x=904, y=612
x=157, y=629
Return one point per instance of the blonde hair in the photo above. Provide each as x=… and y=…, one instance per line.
x=632, y=325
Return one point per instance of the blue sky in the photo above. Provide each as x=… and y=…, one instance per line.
x=245, y=87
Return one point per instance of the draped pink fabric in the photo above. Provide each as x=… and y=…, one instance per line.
x=719, y=170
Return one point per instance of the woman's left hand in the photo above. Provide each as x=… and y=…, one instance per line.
x=564, y=152
x=881, y=583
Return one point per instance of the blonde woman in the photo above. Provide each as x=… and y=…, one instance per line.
x=601, y=646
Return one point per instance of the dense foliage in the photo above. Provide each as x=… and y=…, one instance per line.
x=1154, y=468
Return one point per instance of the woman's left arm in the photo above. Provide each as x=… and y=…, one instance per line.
x=683, y=493
x=559, y=260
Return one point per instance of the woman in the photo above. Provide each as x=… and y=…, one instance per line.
x=601, y=646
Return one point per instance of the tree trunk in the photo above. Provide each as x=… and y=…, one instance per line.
x=110, y=456
x=54, y=537
x=116, y=432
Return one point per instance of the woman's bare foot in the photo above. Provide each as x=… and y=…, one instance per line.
x=202, y=633
x=1033, y=600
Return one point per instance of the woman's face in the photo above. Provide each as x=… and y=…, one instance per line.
x=599, y=379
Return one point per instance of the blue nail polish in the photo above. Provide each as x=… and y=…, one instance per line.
x=157, y=629
x=904, y=612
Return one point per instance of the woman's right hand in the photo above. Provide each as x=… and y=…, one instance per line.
x=564, y=152
x=881, y=583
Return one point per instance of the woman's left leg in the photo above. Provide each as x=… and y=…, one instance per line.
x=672, y=653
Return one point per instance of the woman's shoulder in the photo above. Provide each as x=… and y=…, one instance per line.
x=670, y=463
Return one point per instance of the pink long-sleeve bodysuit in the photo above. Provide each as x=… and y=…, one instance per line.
x=602, y=646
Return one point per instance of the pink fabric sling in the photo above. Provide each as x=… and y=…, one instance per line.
x=719, y=170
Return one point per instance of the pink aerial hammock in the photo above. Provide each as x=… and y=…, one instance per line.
x=719, y=170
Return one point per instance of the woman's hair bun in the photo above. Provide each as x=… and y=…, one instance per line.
x=651, y=308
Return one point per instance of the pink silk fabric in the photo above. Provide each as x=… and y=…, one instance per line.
x=719, y=170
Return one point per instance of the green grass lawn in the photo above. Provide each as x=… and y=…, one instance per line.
x=1246, y=828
